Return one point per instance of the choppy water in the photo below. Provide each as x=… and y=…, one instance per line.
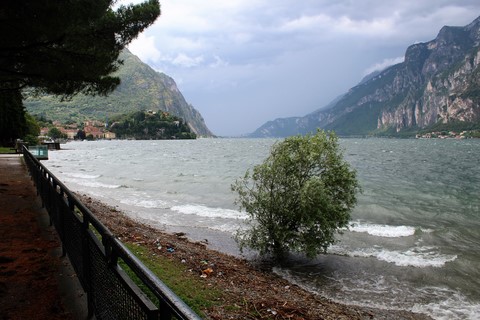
x=414, y=243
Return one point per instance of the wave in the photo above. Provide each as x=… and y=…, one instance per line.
x=204, y=211
x=159, y=204
x=440, y=303
x=420, y=257
x=451, y=305
x=81, y=175
x=386, y=231
x=95, y=184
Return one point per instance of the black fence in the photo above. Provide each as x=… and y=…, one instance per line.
x=95, y=253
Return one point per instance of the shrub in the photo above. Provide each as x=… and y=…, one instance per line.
x=298, y=198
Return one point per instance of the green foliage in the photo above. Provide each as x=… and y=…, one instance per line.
x=55, y=133
x=456, y=126
x=473, y=134
x=12, y=117
x=81, y=135
x=74, y=52
x=298, y=198
x=145, y=126
x=391, y=132
x=33, y=127
x=31, y=140
x=6, y=150
x=362, y=121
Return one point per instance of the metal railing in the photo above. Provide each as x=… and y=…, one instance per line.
x=94, y=253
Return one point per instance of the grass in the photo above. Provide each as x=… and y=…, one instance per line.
x=187, y=285
x=6, y=150
x=192, y=289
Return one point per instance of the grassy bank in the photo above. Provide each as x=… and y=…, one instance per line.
x=191, y=289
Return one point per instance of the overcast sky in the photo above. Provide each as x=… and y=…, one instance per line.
x=242, y=63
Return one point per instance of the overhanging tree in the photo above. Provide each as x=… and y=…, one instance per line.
x=298, y=198
x=12, y=116
x=66, y=47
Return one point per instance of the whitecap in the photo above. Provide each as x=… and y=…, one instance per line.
x=145, y=203
x=451, y=305
x=204, y=211
x=81, y=175
x=420, y=257
x=379, y=230
x=93, y=184
x=102, y=185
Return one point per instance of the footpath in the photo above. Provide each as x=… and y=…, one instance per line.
x=36, y=282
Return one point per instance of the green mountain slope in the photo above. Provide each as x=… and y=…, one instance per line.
x=141, y=88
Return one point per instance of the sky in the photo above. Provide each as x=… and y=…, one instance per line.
x=242, y=63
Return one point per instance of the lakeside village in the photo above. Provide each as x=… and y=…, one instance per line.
x=139, y=125
x=92, y=130
x=449, y=135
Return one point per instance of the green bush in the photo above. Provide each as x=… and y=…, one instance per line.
x=298, y=198
x=31, y=140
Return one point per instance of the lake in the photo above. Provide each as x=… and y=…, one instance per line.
x=414, y=239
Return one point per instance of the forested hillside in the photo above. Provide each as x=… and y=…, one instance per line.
x=141, y=89
x=141, y=125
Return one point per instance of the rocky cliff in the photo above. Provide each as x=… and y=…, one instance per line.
x=437, y=84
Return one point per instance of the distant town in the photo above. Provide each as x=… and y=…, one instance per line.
x=92, y=130
x=449, y=135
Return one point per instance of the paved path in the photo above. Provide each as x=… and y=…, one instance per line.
x=35, y=281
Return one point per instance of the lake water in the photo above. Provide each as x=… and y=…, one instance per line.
x=414, y=243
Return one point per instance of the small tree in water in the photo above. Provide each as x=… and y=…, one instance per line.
x=298, y=198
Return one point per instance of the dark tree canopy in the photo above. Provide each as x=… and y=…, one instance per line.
x=12, y=116
x=140, y=125
x=66, y=46
x=69, y=46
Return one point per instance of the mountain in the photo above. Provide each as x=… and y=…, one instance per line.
x=284, y=127
x=436, y=87
x=141, y=88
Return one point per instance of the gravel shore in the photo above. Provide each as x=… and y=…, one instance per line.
x=254, y=289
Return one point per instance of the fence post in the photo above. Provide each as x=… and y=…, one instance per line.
x=86, y=266
x=165, y=312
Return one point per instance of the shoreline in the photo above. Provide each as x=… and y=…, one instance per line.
x=257, y=288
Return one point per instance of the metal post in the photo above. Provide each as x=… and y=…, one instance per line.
x=86, y=267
